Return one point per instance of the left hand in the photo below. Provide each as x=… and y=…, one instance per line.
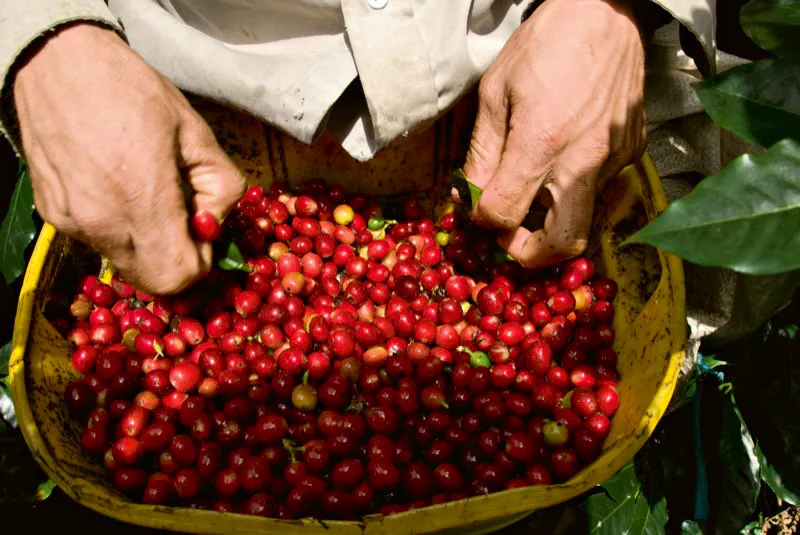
x=560, y=109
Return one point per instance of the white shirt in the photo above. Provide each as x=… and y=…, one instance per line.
x=368, y=71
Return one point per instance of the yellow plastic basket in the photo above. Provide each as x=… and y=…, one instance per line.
x=650, y=333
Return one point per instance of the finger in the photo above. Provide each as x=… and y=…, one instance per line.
x=166, y=259
x=525, y=165
x=215, y=180
x=639, y=134
x=488, y=134
x=625, y=150
x=51, y=209
x=565, y=232
x=50, y=196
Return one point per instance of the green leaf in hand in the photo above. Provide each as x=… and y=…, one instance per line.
x=746, y=218
x=773, y=25
x=468, y=192
x=500, y=256
x=229, y=265
x=233, y=259
x=623, y=507
x=17, y=229
x=234, y=253
x=759, y=102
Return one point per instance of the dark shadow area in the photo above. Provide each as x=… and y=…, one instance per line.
x=730, y=36
x=8, y=296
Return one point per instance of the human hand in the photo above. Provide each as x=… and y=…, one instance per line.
x=108, y=142
x=560, y=110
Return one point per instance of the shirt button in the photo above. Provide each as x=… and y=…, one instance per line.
x=377, y=4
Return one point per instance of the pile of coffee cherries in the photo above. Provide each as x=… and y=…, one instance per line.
x=343, y=359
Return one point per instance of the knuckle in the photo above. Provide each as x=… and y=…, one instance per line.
x=178, y=273
x=490, y=90
x=500, y=214
x=599, y=147
x=478, y=152
x=551, y=138
x=229, y=189
x=165, y=263
x=572, y=247
x=236, y=185
x=168, y=283
x=529, y=263
x=500, y=220
x=60, y=221
x=92, y=225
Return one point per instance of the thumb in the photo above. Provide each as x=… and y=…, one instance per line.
x=488, y=135
x=216, y=183
x=523, y=169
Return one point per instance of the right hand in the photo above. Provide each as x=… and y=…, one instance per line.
x=108, y=142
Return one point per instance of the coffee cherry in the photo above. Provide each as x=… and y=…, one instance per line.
x=205, y=226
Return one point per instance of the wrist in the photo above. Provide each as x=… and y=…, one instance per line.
x=63, y=47
x=646, y=14
x=597, y=19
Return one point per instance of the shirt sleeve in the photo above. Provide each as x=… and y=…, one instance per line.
x=699, y=18
x=23, y=23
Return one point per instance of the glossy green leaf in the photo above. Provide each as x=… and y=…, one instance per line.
x=691, y=387
x=741, y=479
x=759, y=102
x=499, y=256
x=773, y=479
x=754, y=527
x=17, y=229
x=469, y=193
x=5, y=354
x=234, y=253
x=623, y=507
x=773, y=25
x=768, y=396
x=230, y=265
x=233, y=259
x=746, y=218
x=712, y=362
